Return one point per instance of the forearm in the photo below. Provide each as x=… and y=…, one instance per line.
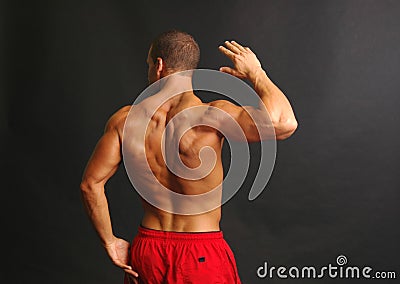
x=276, y=104
x=96, y=205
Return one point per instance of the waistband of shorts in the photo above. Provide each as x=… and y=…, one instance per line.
x=171, y=235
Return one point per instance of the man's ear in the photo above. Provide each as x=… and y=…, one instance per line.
x=159, y=66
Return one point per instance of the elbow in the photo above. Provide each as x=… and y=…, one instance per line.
x=87, y=187
x=284, y=130
x=84, y=186
x=91, y=184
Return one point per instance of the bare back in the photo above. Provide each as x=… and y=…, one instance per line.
x=188, y=147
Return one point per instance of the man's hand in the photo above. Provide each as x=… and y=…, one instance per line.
x=118, y=251
x=246, y=64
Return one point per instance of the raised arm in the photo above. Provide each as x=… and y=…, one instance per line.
x=102, y=165
x=274, y=110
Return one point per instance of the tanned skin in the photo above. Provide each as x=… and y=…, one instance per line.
x=107, y=157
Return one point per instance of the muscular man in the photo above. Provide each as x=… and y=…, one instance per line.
x=171, y=247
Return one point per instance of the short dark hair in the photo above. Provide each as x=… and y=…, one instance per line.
x=177, y=49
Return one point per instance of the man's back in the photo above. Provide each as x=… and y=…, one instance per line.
x=188, y=141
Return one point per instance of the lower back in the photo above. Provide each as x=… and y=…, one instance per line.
x=157, y=219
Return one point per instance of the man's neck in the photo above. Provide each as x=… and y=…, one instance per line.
x=177, y=83
x=176, y=88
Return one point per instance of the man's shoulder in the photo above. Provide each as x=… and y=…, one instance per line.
x=223, y=105
x=117, y=120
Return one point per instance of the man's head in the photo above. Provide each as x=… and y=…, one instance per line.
x=171, y=52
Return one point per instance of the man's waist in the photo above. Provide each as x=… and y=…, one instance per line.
x=159, y=221
x=178, y=236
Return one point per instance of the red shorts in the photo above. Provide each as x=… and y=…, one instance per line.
x=182, y=258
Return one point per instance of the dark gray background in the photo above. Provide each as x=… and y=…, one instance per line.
x=69, y=65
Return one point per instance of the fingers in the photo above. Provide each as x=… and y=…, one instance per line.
x=235, y=47
x=228, y=70
x=131, y=273
x=227, y=52
x=121, y=265
x=232, y=49
x=238, y=46
x=131, y=279
x=232, y=46
x=126, y=268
